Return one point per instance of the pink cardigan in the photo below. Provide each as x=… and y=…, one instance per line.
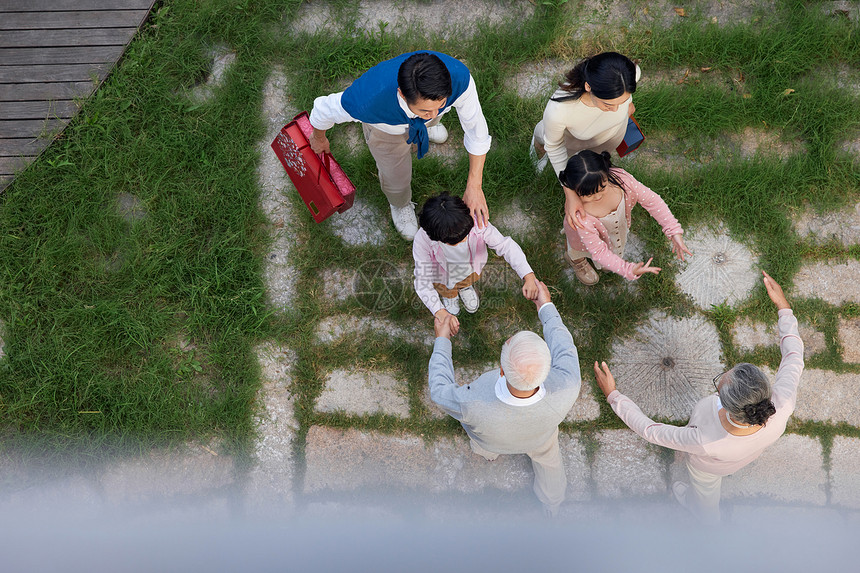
x=595, y=239
x=712, y=449
x=431, y=266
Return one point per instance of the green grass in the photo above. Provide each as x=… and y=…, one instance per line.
x=97, y=309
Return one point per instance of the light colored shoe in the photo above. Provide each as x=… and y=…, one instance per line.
x=538, y=162
x=470, y=299
x=452, y=305
x=584, y=271
x=405, y=220
x=437, y=133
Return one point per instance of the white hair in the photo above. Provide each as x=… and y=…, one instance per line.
x=525, y=360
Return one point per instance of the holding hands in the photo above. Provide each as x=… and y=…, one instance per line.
x=530, y=288
x=445, y=324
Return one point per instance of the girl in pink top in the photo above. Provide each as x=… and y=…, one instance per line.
x=729, y=429
x=609, y=195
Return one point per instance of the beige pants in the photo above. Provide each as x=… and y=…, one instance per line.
x=703, y=495
x=393, y=162
x=550, y=480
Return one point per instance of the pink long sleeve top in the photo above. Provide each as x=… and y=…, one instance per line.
x=595, y=239
x=431, y=265
x=712, y=449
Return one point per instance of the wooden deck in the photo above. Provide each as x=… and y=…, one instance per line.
x=53, y=56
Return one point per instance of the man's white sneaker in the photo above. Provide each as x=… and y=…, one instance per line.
x=437, y=133
x=452, y=305
x=539, y=163
x=405, y=220
x=470, y=299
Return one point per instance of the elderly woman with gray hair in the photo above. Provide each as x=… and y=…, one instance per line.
x=729, y=429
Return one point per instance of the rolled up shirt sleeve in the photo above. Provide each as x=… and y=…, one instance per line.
x=476, y=134
x=328, y=111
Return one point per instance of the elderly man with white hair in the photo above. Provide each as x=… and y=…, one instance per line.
x=517, y=408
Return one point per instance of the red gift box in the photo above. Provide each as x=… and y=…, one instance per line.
x=319, y=179
x=633, y=138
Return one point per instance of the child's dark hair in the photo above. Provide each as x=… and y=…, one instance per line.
x=610, y=75
x=586, y=173
x=445, y=218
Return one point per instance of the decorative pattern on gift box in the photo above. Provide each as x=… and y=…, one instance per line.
x=290, y=154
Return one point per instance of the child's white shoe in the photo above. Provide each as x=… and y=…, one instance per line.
x=405, y=220
x=470, y=299
x=452, y=305
x=437, y=133
x=539, y=163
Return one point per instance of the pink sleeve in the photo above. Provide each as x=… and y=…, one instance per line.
x=601, y=253
x=508, y=248
x=424, y=272
x=652, y=203
x=791, y=366
x=685, y=439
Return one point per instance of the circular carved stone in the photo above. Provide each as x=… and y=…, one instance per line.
x=720, y=270
x=668, y=365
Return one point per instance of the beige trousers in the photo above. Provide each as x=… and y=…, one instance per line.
x=550, y=480
x=393, y=162
x=703, y=495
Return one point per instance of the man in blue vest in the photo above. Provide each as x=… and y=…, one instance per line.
x=399, y=103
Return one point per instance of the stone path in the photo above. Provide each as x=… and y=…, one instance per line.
x=317, y=470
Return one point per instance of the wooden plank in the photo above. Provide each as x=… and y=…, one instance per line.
x=40, y=38
x=12, y=165
x=56, y=90
x=54, y=73
x=72, y=55
x=33, y=128
x=23, y=146
x=68, y=20
x=65, y=5
x=38, y=109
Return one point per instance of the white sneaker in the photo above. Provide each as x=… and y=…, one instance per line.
x=538, y=162
x=437, y=133
x=405, y=220
x=452, y=305
x=470, y=299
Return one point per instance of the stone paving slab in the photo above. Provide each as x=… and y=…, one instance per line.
x=832, y=282
x=842, y=226
x=748, y=335
x=826, y=396
x=360, y=225
x=160, y=475
x=269, y=485
x=445, y=18
x=586, y=407
x=668, y=364
x=363, y=392
x=349, y=460
x=844, y=476
x=849, y=337
x=345, y=326
x=222, y=58
x=626, y=465
x=720, y=269
x=539, y=79
x=791, y=470
x=279, y=275
x=515, y=221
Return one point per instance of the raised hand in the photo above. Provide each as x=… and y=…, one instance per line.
x=678, y=246
x=774, y=291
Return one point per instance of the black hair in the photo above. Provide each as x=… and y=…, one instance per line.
x=587, y=172
x=446, y=218
x=424, y=76
x=610, y=75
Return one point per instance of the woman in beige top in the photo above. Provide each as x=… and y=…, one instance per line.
x=588, y=111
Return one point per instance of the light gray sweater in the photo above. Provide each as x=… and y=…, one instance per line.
x=499, y=427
